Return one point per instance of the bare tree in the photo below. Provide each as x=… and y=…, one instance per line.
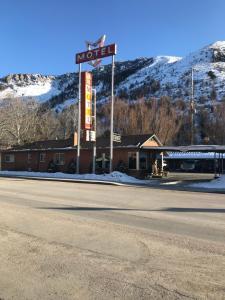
x=156, y=116
x=213, y=124
x=18, y=120
x=68, y=121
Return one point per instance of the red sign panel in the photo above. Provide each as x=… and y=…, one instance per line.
x=96, y=53
x=86, y=100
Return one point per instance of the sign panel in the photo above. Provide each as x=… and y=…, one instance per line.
x=86, y=100
x=90, y=136
x=97, y=53
x=116, y=138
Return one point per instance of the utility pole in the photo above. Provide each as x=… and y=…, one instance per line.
x=192, y=107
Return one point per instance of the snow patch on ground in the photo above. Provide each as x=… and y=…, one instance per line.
x=42, y=90
x=112, y=177
x=218, y=183
x=155, y=70
x=171, y=183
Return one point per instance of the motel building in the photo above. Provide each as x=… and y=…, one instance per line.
x=135, y=155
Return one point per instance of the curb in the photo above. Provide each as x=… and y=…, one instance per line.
x=66, y=180
x=180, y=187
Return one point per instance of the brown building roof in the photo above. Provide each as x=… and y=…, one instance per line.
x=126, y=141
x=129, y=141
x=43, y=145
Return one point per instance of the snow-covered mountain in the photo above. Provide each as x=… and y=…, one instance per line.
x=142, y=77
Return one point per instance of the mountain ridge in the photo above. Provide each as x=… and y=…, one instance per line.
x=144, y=77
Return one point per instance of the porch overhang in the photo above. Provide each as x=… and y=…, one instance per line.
x=191, y=148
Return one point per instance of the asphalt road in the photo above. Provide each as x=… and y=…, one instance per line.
x=79, y=241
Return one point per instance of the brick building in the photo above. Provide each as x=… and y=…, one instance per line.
x=130, y=155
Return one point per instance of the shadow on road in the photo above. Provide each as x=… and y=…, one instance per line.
x=191, y=209
x=167, y=209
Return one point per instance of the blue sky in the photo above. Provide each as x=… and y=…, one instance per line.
x=42, y=36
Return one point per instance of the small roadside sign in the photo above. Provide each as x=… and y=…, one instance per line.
x=116, y=137
x=90, y=136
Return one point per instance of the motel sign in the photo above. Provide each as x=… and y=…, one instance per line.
x=85, y=95
x=96, y=53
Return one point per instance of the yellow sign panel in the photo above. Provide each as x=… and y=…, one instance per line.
x=86, y=100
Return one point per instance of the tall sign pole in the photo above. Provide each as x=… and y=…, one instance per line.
x=94, y=128
x=112, y=116
x=96, y=55
x=79, y=122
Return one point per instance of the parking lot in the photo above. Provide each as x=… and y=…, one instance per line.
x=87, y=241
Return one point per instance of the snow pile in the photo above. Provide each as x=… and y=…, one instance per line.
x=218, y=183
x=171, y=183
x=112, y=177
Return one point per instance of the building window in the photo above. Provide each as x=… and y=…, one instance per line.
x=29, y=157
x=102, y=162
x=9, y=158
x=42, y=157
x=59, y=159
x=143, y=161
x=132, y=159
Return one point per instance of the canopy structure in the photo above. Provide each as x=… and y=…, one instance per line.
x=217, y=150
x=189, y=148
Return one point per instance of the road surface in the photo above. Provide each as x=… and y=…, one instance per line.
x=79, y=241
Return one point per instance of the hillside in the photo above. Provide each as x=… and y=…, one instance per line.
x=142, y=77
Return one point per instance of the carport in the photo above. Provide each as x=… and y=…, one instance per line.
x=218, y=151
